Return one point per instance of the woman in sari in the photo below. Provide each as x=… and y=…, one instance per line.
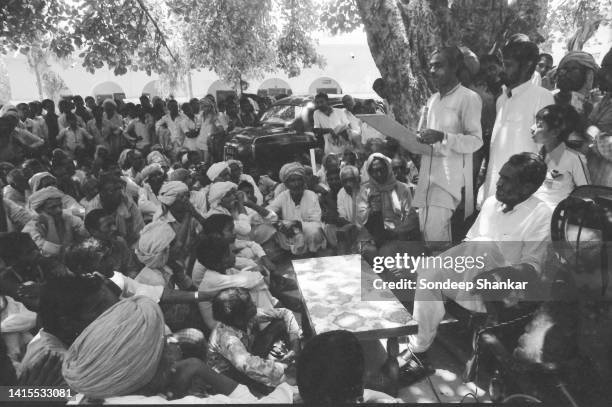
x=384, y=208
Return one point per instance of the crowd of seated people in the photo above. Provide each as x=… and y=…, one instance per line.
x=146, y=268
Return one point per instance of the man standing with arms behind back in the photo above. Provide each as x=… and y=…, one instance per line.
x=516, y=109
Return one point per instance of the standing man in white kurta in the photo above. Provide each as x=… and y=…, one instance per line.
x=516, y=110
x=454, y=133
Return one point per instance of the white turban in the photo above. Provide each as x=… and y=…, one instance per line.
x=149, y=170
x=155, y=157
x=118, y=353
x=123, y=157
x=155, y=238
x=38, y=198
x=237, y=162
x=290, y=169
x=218, y=190
x=170, y=190
x=35, y=179
x=216, y=169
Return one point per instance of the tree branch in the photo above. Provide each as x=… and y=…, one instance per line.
x=161, y=34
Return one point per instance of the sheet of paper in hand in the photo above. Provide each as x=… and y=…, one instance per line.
x=390, y=128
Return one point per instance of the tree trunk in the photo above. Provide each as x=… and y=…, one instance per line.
x=39, y=83
x=35, y=63
x=583, y=33
x=403, y=34
x=189, y=85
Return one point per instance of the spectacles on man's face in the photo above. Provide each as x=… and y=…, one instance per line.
x=568, y=69
x=575, y=144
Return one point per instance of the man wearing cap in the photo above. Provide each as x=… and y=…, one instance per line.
x=516, y=110
x=575, y=76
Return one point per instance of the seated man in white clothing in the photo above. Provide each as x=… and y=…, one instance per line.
x=512, y=231
x=333, y=126
x=298, y=212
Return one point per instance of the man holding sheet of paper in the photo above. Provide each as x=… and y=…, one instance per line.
x=452, y=133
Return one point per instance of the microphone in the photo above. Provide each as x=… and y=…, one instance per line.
x=422, y=120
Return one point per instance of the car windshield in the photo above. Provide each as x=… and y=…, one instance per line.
x=281, y=114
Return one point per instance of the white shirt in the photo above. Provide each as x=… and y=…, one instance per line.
x=347, y=206
x=130, y=287
x=213, y=282
x=458, y=115
x=522, y=234
x=334, y=120
x=178, y=127
x=567, y=169
x=536, y=79
x=512, y=130
x=368, y=132
x=308, y=209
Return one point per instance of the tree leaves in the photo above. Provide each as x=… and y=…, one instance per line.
x=235, y=38
x=575, y=21
x=340, y=16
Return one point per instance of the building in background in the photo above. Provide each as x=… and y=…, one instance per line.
x=349, y=68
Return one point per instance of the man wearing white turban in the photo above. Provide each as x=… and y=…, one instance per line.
x=237, y=176
x=171, y=191
x=301, y=229
x=153, y=250
x=54, y=230
x=140, y=363
x=155, y=157
x=179, y=213
x=153, y=177
x=41, y=180
x=45, y=179
x=219, y=172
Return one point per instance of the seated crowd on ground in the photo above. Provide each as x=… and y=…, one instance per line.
x=147, y=268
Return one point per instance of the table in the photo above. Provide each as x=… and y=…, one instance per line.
x=338, y=294
x=334, y=288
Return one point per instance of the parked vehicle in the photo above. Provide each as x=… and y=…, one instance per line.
x=284, y=135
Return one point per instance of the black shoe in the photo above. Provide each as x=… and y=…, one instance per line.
x=289, y=302
x=281, y=283
x=414, y=371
